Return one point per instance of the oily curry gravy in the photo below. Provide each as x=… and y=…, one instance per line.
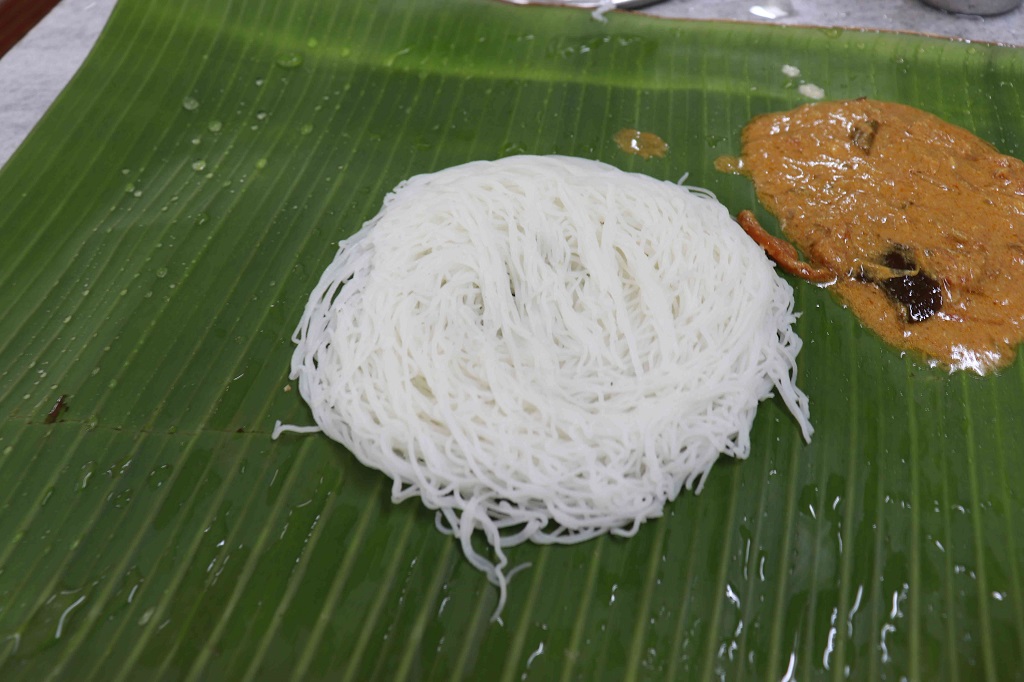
x=916, y=224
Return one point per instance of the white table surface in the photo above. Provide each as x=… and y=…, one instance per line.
x=34, y=72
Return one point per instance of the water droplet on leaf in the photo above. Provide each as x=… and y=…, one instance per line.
x=157, y=477
x=122, y=499
x=289, y=60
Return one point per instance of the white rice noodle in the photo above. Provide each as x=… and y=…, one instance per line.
x=545, y=348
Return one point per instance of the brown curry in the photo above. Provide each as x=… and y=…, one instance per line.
x=916, y=224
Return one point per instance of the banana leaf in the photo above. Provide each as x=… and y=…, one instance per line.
x=163, y=226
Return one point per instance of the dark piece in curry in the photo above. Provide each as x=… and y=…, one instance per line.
x=916, y=224
x=58, y=407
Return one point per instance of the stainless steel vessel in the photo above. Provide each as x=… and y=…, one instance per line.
x=981, y=7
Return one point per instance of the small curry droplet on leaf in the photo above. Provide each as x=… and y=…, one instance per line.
x=644, y=145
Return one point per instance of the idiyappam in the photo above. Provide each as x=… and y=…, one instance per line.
x=545, y=348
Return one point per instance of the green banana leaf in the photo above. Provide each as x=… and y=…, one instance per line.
x=163, y=225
